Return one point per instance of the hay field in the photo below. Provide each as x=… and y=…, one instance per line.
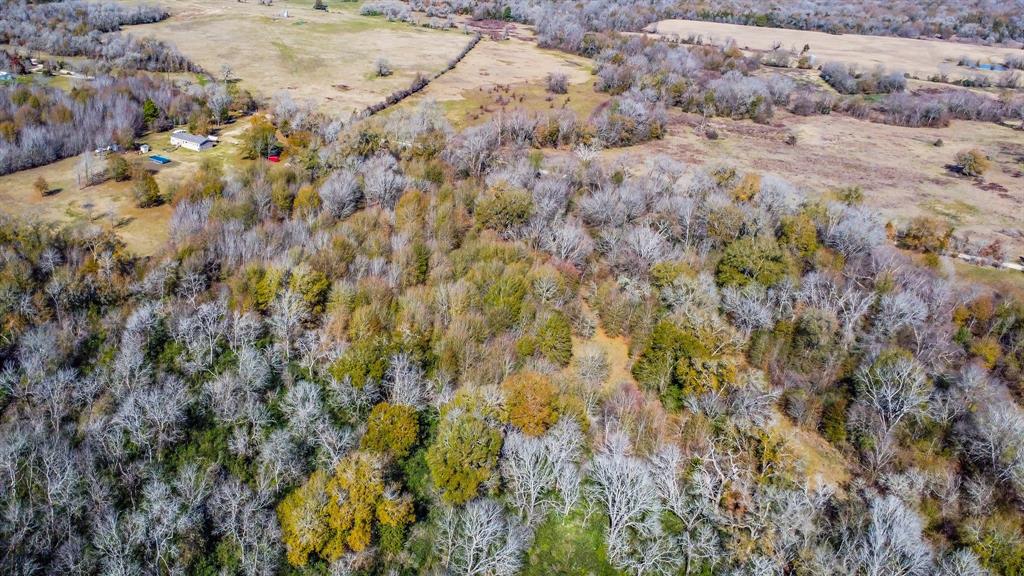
x=901, y=171
x=324, y=57
x=111, y=204
x=920, y=58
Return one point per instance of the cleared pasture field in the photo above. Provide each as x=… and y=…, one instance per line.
x=510, y=61
x=920, y=58
x=483, y=104
x=476, y=88
x=900, y=170
x=111, y=204
x=326, y=57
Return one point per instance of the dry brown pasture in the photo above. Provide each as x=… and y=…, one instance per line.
x=510, y=74
x=920, y=58
x=510, y=61
x=111, y=204
x=900, y=170
x=325, y=57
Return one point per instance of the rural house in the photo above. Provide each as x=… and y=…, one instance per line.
x=190, y=141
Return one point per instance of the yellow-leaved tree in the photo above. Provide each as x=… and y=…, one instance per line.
x=332, y=515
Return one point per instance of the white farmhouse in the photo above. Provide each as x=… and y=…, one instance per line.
x=190, y=141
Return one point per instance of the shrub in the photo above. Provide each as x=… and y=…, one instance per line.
x=364, y=362
x=813, y=338
x=833, y=419
x=555, y=340
x=847, y=80
x=260, y=140
x=463, y=456
x=307, y=201
x=740, y=96
x=42, y=187
x=778, y=57
x=504, y=209
x=907, y=110
x=392, y=9
x=118, y=168
x=391, y=429
x=558, y=83
x=382, y=68
x=313, y=286
x=677, y=363
x=850, y=195
x=752, y=259
x=839, y=77
x=531, y=400
x=146, y=190
x=630, y=119
x=926, y=234
x=800, y=234
x=972, y=162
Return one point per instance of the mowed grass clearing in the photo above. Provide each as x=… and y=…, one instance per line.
x=325, y=57
x=112, y=204
x=920, y=58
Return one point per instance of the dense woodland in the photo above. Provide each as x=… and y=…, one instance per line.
x=91, y=30
x=415, y=350
x=991, y=21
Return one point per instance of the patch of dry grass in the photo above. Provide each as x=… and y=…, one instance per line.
x=1002, y=280
x=822, y=463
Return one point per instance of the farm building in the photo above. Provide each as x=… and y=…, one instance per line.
x=190, y=141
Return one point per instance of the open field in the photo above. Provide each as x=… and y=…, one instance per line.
x=506, y=62
x=483, y=104
x=111, y=204
x=901, y=170
x=510, y=74
x=324, y=57
x=920, y=58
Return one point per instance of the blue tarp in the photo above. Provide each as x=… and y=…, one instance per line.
x=160, y=159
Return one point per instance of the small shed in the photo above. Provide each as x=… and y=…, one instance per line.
x=144, y=148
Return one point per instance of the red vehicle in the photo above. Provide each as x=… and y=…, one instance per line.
x=274, y=158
